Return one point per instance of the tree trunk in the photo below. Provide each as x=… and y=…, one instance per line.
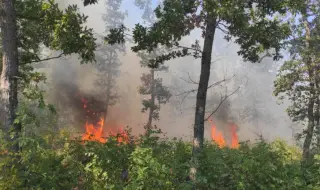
x=198, y=136
x=109, y=83
x=317, y=117
x=317, y=113
x=310, y=128
x=8, y=81
x=152, y=103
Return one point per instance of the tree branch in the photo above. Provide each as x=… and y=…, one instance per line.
x=33, y=18
x=46, y=59
x=222, y=29
x=191, y=81
x=189, y=48
x=186, y=93
x=222, y=100
x=219, y=82
x=264, y=56
x=194, y=82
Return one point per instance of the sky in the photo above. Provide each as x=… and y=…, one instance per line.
x=95, y=20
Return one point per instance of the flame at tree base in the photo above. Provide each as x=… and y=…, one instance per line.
x=96, y=133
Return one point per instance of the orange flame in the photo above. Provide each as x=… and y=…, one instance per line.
x=234, y=137
x=218, y=137
x=94, y=134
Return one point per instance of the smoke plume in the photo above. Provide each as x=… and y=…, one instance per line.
x=252, y=107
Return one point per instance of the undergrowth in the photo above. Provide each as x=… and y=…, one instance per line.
x=57, y=162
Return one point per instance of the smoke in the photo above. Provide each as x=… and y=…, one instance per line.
x=252, y=107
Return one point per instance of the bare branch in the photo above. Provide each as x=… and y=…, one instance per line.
x=186, y=93
x=222, y=100
x=264, y=56
x=46, y=59
x=259, y=135
x=219, y=82
x=185, y=96
x=224, y=30
x=194, y=82
x=216, y=60
x=191, y=81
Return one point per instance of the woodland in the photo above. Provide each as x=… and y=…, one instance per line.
x=38, y=152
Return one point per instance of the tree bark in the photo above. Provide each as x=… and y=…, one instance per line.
x=8, y=80
x=108, y=93
x=310, y=128
x=317, y=115
x=317, y=112
x=152, y=103
x=198, y=136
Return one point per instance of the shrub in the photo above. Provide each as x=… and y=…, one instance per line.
x=57, y=162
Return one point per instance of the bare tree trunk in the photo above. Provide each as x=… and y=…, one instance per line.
x=198, y=136
x=317, y=116
x=8, y=80
x=109, y=83
x=152, y=103
x=317, y=113
x=310, y=128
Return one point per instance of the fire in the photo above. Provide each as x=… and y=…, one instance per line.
x=122, y=136
x=218, y=137
x=234, y=137
x=94, y=134
x=95, y=129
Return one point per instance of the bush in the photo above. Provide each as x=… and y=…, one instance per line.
x=56, y=162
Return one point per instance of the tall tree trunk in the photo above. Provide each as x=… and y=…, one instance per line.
x=310, y=128
x=198, y=135
x=8, y=80
x=317, y=117
x=317, y=113
x=109, y=83
x=152, y=103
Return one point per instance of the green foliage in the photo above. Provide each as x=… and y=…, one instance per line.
x=43, y=25
x=108, y=62
x=161, y=93
x=55, y=161
x=152, y=85
x=253, y=25
x=298, y=78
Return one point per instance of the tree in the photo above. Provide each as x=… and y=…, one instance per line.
x=152, y=85
x=39, y=25
x=298, y=78
x=8, y=82
x=108, y=62
x=251, y=24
